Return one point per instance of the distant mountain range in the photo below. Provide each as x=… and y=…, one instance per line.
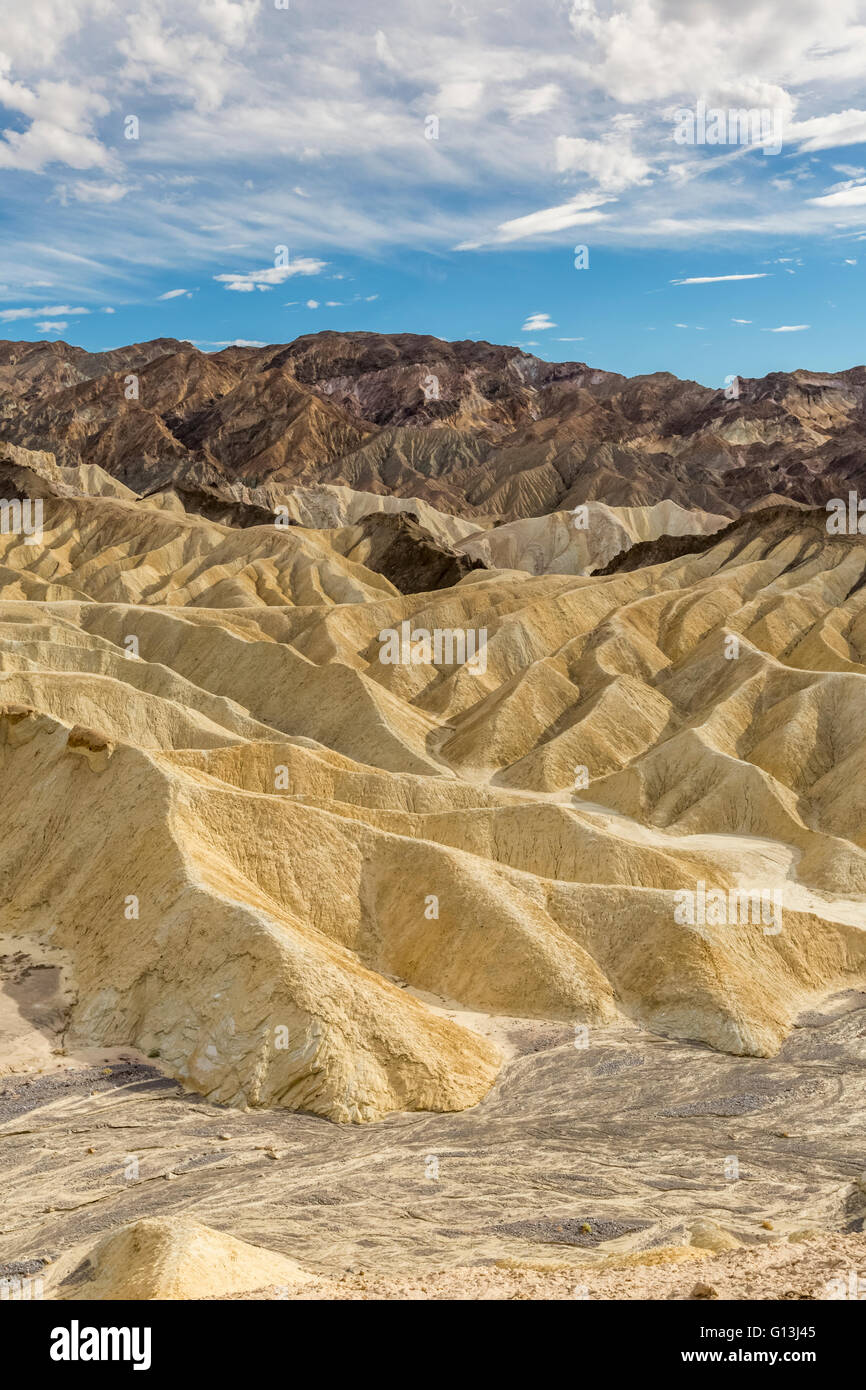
x=474, y=429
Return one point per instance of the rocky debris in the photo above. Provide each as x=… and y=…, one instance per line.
x=569, y=1230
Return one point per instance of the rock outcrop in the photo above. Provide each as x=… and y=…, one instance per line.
x=470, y=428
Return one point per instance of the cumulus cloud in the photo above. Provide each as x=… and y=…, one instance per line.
x=61, y=117
x=613, y=165
x=191, y=63
x=271, y=275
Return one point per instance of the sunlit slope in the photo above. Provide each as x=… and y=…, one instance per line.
x=258, y=842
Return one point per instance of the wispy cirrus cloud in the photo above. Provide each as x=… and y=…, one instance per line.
x=38, y=310
x=716, y=279
x=850, y=195
x=206, y=343
x=577, y=212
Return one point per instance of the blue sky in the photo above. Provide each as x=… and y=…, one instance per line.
x=431, y=169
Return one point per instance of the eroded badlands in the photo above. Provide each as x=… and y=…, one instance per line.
x=291, y=876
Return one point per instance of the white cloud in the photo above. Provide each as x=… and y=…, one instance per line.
x=271, y=275
x=789, y=328
x=34, y=311
x=655, y=50
x=312, y=303
x=741, y=320
x=232, y=19
x=578, y=211
x=85, y=191
x=851, y=196
x=329, y=135
x=535, y=322
x=383, y=51
x=173, y=294
x=829, y=132
x=61, y=119
x=613, y=165
x=533, y=101
x=715, y=279
x=186, y=63
x=458, y=96
x=224, y=342
x=52, y=326
x=33, y=35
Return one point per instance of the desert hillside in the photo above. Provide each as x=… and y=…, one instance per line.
x=471, y=428
x=325, y=802
x=267, y=837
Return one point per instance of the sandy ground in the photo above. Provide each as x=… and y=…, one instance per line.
x=582, y=1160
x=817, y=1267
